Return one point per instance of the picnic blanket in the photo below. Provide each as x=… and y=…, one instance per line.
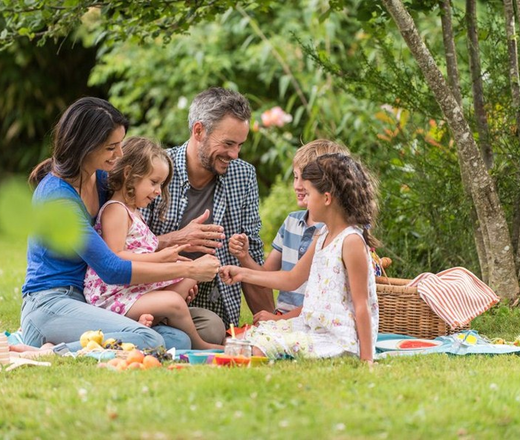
x=468, y=342
x=455, y=295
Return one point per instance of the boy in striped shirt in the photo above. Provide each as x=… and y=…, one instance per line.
x=293, y=238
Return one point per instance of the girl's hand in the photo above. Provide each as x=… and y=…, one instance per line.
x=192, y=293
x=264, y=315
x=171, y=254
x=239, y=245
x=230, y=274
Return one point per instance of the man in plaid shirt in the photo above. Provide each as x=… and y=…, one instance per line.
x=214, y=195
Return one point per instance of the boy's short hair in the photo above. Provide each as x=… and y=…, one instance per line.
x=309, y=152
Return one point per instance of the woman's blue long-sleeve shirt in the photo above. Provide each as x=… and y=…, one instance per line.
x=46, y=269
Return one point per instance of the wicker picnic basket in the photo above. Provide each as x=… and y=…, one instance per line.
x=403, y=311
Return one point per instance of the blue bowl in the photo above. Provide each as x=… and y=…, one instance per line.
x=200, y=358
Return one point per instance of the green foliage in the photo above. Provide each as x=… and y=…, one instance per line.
x=500, y=321
x=12, y=273
x=255, y=52
x=37, y=83
x=55, y=223
x=274, y=209
x=422, y=229
x=41, y=20
x=424, y=213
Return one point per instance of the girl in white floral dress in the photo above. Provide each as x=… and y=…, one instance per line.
x=138, y=178
x=340, y=313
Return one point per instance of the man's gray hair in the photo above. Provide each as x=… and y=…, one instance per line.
x=211, y=106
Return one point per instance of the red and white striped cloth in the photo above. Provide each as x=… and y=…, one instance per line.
x=455, y=295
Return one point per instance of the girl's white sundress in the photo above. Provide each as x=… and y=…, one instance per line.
x=326, y=326
x=119, y=298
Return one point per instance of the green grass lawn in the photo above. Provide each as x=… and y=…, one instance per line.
x=420, y=397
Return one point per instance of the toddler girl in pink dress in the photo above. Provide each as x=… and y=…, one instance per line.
x=138, y=178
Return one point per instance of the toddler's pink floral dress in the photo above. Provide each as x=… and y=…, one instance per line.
x=326, y=326
x=115, y=297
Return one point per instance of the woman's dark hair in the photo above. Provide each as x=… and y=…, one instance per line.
x=351, y=185
x=84, y=126
x=136, y=164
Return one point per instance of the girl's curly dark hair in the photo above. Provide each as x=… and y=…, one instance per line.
x=351, y=185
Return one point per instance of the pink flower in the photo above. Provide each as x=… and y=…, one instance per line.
x=275, y=116
x=118, y=308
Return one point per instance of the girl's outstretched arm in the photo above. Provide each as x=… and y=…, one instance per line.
x=356, y=263
x=280, y=279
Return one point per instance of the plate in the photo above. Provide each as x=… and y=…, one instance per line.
x=407, y=344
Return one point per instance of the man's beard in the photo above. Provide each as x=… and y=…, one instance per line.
x=205, y=160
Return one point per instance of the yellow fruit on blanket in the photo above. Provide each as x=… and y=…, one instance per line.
x=91, y=335
x=108, y=342
x=127, y=346
x=93, y=345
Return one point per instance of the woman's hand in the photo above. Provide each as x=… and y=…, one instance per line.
x=205, y=268
x=230, y=274
x=170, y=254
x=239, y=246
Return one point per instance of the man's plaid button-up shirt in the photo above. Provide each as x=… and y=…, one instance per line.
x=235, y=207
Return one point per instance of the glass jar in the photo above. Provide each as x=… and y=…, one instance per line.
x=238, y=347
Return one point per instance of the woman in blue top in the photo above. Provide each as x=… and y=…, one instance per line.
x=87, y=143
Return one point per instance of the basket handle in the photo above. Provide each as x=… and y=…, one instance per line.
x=385, y=279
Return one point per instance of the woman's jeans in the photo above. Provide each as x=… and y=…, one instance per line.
x=62, y=315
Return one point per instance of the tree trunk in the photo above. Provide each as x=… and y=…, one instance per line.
x=502, y=274
x=514, y=78
x=476, y=84
x=449, y=50
x=454, y=82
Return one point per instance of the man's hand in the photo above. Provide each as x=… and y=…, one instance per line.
x=202, y=238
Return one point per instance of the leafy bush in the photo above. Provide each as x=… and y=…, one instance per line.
x=274, y=209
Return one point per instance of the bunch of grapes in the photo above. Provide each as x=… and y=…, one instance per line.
x=158, y=352
x=113, y=344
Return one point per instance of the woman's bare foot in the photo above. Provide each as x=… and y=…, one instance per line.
x=146, y=319
x=27, y=351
